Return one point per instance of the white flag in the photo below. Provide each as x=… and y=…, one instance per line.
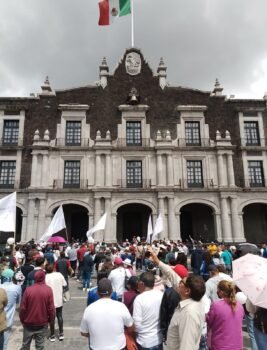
x=149, y=230
x=8, y=213
x=57, y=224
x=101, y=224
x=158, y=227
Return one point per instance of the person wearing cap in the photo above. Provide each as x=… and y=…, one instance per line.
x=128, y=265
x=118, y=277
x=146, y=311
x=37, y=310
x=14, y=296
x=105, y=320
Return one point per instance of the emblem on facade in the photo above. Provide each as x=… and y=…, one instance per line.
x=133, y=63
x=114, y=12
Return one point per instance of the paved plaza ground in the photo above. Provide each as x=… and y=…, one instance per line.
x=72, y=314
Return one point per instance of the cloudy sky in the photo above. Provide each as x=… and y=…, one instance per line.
x=198, y=39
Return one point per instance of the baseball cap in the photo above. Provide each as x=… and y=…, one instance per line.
x=181, y=270
x=104, y=287
x=118, y=260
x=7, y=275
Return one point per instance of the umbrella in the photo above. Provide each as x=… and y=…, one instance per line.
x=250, y=275
x=57, y=239
x=245, y=248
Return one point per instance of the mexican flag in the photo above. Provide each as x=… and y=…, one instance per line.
x=110, y=9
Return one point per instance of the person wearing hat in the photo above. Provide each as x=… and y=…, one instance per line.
x=105, y=320
x=128, y=265
x=118, y=276
x=14, y=296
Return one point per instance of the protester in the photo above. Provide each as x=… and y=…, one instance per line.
x=146, y=310
x=56, y=282
x=227, y=258
x=72, y=255
x=3, y=321
x=213, y=281
x=88, y=265
x=131, y=293
x=14, y=295
x=92, y=295
x=37, y=310
x=39, y=265
x=225, y=319
x=80, y=254
x=118, y=276
x=104, y=321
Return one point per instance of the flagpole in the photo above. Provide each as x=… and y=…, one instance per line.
x=132, y=12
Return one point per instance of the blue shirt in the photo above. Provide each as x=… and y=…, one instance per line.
x=13, y=295
x=93, y=296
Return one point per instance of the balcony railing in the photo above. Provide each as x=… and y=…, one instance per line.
x=65, y=143
x=57, y=184
x=123, y=183
x=131, y=143
x=205, y=183
x=250, y=183
x=11, y=143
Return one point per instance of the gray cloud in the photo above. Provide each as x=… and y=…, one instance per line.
x=199, y=40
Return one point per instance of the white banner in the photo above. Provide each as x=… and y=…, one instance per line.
x=158, y=227
x=149, y=230
x=8, y=213
x=57, y=224
x=101, y=224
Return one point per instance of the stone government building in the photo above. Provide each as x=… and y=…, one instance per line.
x=131, y=146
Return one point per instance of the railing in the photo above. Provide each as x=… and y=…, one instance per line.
x=250, y=183
x=7, y=143
x=193, y=143
x=126, y=143
x=63, y=142
x=57, y=184
x=205, y=183
x=123, y=183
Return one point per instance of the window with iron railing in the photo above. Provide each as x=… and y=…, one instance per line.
x=192, y=133
x=11, y=132
x=133, y=134
x=194, y=173
x=73, y=133
x=72, y=173
x=134, y=173
x=252, y=133
x=7, y=173
x=255, y=172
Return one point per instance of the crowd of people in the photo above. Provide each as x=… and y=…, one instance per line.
x=167, y=295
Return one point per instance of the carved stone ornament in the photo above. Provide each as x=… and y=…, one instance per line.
x=133, y=63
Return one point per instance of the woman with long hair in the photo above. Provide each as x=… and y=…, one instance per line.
x=225, y=320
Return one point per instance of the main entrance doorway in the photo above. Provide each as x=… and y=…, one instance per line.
x=255, y=222
x=197, y=221
x=132, y=220
x=76, y=218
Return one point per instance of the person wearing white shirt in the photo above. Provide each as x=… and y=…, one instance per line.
x=213, y=281
x=146, y=314
x=117, y=277
x=104, y=321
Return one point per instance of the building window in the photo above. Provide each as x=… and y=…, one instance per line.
x=11, y=132
x=134, y=173
x=194, y=173
x=133, y=134
x=252, y=133
x=73, y=133
x=7, y=173
x=192, y=133
x=255, y=172
x=72, y=173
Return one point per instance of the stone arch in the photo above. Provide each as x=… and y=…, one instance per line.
x=197, y=201
x=56, y=204
x=134, y=201
x=251, y=201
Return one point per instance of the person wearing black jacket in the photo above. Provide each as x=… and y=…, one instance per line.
x=169, y=303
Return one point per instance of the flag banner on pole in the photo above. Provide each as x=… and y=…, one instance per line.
x=8, y=213
x=101, y=224
x=149, y=230
x=57, y=224
x=110, y=9
x=158, y=227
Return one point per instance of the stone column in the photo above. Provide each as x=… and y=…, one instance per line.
x=108, y=175
x=169, y=170
x=178, y=225
x=24, y=228
x=218, y=226
x=108, y=230
x=220, y=170
x=162, y=211
x=41, y=218
x=159, y=170
x=98, y=236
x=172, y=224
x=98, y=174
x=114, y=227
x=34, y=170
x=238, y=235
x=45, y=170
x=31, y=218
x=230, y=171
x=226, y=228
